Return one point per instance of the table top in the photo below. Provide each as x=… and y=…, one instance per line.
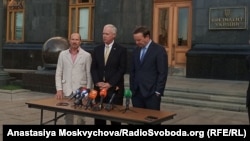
x=119, y=113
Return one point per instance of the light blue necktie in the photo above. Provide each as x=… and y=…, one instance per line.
x=143, y=51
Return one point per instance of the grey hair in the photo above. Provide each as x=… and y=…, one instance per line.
x=113, y=28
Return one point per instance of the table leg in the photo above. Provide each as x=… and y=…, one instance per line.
x=55, y=118
x=41, y=118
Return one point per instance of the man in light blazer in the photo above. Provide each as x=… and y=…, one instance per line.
x=73, y=72
x=149, y=70
x=110, y=74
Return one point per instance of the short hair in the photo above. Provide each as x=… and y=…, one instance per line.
x=76, y=34
x=142, y=29
x=113, y=28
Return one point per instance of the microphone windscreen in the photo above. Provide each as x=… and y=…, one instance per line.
x=103, y=92
x=83, y=88
x=84, y=91
x=127, y=93
x=79, y=90
x=92, y=94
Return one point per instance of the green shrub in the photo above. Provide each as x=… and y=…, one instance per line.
x=10, y=87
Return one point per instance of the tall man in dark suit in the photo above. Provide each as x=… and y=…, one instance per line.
x=149, y=70
x=109, y=61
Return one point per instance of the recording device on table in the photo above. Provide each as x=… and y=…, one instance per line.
x=127, y=95
x=109, y=106
x=103, y=94
x=92, y=95
x=151, y=118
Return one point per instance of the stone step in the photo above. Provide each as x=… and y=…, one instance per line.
x=216, y=100
x=208, y=91
x=207, y=97
x=205, y=104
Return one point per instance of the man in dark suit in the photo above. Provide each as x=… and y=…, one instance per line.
x=109, y=61
x=248, y=89
x=149, y=70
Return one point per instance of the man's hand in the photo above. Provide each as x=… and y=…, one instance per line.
x=99, y=84
x=59, y=94
x=103, y=85
x=106, y=86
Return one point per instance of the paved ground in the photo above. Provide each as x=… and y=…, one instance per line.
x=13, y=109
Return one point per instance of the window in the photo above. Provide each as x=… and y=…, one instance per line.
x=15, y=21
x=81, y=17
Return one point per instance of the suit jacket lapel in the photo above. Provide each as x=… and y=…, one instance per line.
x=101, y=53
x=111, y=53
x=146, y=54
x=68, y=57
x=78, y=57
x=138, y=52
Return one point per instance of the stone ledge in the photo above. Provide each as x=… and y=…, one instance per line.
x=14, y=91
x=19, y=71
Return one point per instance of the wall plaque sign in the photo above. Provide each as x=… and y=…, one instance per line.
x=228, y=18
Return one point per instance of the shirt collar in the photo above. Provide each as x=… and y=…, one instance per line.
x=78, y=49
x=148, y=44
x=110, y=45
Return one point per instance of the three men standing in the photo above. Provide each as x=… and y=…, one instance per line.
x=107, y=67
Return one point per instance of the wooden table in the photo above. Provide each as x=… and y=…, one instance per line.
x=129, y=115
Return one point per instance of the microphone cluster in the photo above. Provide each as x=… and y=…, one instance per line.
x=83, y=93
x=79, y=95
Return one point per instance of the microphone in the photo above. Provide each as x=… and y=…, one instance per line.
x=75, y=94
x=92, y=95
x=127, y=95
x=109, y=106
x=83, y=94
x=103, y=94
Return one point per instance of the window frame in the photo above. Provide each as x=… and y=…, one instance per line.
x=12, y=9
x=75, y=6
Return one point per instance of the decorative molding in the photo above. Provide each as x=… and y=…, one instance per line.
x=16, y=4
